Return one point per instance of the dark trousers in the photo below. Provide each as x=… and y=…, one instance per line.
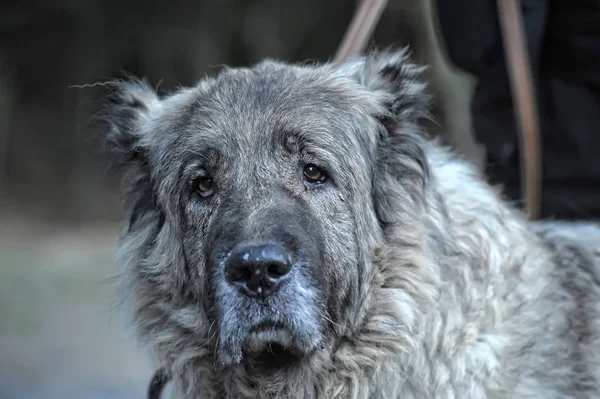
x=563, y=42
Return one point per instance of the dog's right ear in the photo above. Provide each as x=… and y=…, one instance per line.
x=128, y=111
x=129, y=106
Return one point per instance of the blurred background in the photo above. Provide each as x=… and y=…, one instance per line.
x=61, y=333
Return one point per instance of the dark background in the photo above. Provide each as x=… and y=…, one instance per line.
x=61, y=334
x=51, y=54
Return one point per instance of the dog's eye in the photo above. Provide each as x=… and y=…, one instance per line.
x=204, y=186
x=314, y=174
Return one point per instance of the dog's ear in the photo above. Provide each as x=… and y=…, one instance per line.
x=129, y=104
x=402, y=168
x=126, y=117
x=395, y=80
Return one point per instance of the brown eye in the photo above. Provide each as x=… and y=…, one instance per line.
x=204, y=186
x=313, y=174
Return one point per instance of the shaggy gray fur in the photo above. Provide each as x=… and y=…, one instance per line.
x=412, y=277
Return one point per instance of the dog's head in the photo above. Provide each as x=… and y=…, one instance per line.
x=256, y=199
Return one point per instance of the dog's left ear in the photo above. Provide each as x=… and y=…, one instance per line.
x=395, y=80
x=402, y=168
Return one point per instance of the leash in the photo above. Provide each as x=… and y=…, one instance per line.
x=360, y=29
x=159, y=380
x=524, y=103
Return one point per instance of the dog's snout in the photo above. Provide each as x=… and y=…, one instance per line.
x=258, y=270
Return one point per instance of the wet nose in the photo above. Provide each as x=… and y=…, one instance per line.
x=258, y=270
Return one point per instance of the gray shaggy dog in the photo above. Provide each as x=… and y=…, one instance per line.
x=293, y=233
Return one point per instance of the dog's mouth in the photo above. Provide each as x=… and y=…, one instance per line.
x=269, y=346
x=277, y=333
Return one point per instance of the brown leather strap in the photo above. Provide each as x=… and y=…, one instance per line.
x=524, y=102
x=360, y=29
x=157, y=384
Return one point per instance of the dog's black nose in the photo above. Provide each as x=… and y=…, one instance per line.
x=258, y=270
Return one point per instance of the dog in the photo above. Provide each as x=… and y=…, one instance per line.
x=293, y=232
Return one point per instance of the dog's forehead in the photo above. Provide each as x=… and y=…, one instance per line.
x=245, y=105
x=273, y=87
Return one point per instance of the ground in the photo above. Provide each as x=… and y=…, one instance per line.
x=61, y=332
